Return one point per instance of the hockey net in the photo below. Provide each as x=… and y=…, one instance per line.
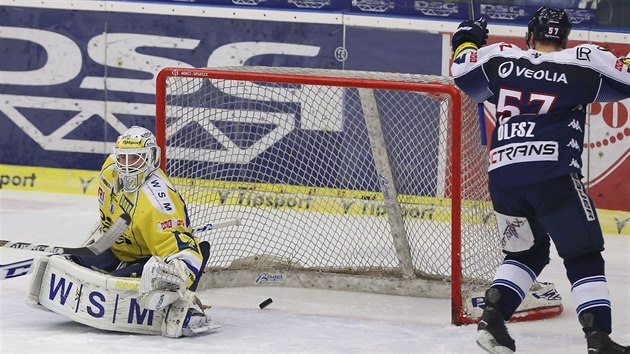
x=345, y=180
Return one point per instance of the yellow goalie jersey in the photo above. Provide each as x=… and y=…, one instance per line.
x=159, y=219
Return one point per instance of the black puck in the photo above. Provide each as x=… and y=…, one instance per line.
x=265, y=303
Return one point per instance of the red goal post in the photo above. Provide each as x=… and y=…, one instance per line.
x=348, y=180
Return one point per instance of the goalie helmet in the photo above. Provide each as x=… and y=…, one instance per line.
x=550, y=24
x=137, y=155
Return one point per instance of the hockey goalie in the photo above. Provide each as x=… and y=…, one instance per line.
x=145, y=282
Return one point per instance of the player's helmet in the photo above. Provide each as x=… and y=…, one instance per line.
x=137, y=156
x=550, y=24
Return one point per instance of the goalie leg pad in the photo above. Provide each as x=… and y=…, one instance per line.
x=92, y=298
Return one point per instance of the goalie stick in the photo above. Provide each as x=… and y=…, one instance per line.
x=20, y=268
x=94, y=233
x=99, y=246
x=217, y=225
x=16, y=269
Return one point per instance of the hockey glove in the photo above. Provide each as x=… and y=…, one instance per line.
x=471, y=31
x=162, y=282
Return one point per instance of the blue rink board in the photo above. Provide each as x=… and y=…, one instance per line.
x=138, y=47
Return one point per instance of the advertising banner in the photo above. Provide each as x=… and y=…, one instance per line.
x=506, y=11
x=69, y=88
x=73, y=76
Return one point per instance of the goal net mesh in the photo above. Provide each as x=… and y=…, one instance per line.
x=289, y=152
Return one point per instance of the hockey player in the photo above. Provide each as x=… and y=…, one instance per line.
x=158, y=246
x=535, y=165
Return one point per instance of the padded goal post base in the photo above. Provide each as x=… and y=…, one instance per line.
x=540, y=302
x=536, y=305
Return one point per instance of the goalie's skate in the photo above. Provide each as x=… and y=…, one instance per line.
x=598, y=341
x=492, y=334
x=185, y=317
x=197, y=322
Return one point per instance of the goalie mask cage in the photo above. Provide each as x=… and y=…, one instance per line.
x=348, y=180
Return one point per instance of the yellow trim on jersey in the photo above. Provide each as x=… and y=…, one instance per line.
x=463, y=46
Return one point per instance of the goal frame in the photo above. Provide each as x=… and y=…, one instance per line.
x=455, y=116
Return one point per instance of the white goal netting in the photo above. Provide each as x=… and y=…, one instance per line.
x=340, y=179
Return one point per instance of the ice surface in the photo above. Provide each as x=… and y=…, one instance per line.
x=298, y=321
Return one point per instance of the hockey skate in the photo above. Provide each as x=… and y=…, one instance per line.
x=598, y=341
x=186, y=317
x=196, y=322
x=492, y=334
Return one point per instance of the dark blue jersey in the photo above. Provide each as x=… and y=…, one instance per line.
x=541, y=103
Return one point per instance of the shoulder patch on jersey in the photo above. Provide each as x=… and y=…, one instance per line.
x=169, y=224
x=108, y=173
x=156, y=189
x=101, y=196
x=106, y=182
x=507, y=46
x=619, y=65
x=583, y=52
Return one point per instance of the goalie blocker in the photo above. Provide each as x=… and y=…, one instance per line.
x=104, y=301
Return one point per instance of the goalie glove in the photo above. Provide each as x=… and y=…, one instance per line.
x=162, y=282
x=471, y=31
